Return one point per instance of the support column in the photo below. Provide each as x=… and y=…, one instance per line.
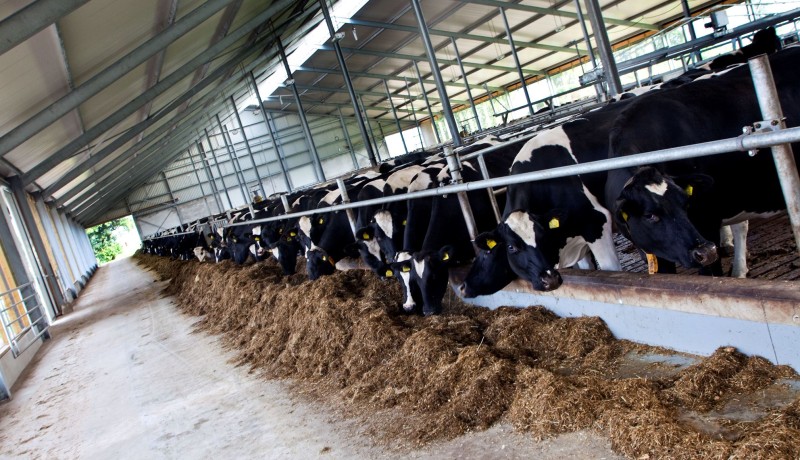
x=349, y=142
x=300, y=113
x=219, y=169
x=372, y=134
x=267, y=121
x=69, y=252
x=61, y=267
x=394, y=113
x=516, y=60
x=437, y=75
x=172, y=197
x=40, y=253
x=348, y=83
x=247, y=146
x=466, y=84
x=199, y=184
x=414, y=114
x=598, y=88
x=237, y=168
x=604, y=47
x=427, y=103
x=687, y=14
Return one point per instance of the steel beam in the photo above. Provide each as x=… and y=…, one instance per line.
x=166, y=83
x=237, y=167
x=347, y=139
x=464, y=76
x=427, y=104
x=396, y=120
x=377, y=76
x=107, y=76
x=267, y=122
x=247, y=146
x=33, y=18
x=199, y=182
x=604, y=47
x=516, y=60
x=216, y=162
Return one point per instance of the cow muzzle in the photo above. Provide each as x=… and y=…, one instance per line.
x=550, y=280
x=705, y=254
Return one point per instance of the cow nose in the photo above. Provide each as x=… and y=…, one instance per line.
x=551, y=279
x=705, y=254
x=464, y=290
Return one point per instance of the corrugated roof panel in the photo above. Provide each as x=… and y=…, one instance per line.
x=113, y=97
x=190, y=45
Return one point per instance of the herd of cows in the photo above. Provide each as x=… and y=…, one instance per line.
x=673, y=212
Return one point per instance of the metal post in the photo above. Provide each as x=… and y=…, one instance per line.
x=782, y=154
x=247, y=146
x=394, y=112
x=427, y=103
x=172, y=197
x=492, y=198
x=437, y=75
x=348, y=83
x=687, y=14
x=466, y=84
x=219, y=169
x=604, y=47
x=200, y=184
x=414, y=114
x=237, y=168
x=285, y=202
x=351, y=217
x=372, y=134
x=278, y=153
x=598, y=88
x=454, y=166
x=346, y=134
x=61, y=266
x=516, y=60
x=300, y=113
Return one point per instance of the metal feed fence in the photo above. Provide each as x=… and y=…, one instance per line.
x=22, y=330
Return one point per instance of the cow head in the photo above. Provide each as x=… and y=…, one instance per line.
x=530, y=246
x=369, y=248
x=319, y=263
x=651, y=211
x=285, y=249
x=401, y=270
x=430, y=270
x=203, y=254
x=490, y=272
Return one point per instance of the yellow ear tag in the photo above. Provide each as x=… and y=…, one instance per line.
x=365, y=236
x=292, y=234
x=689, y=190
x=280, y=230
x=211, y=237
x=624, y=216
x=389, y=273
x=446, y=256
x=404, y=222
x=491, y=243
x=652, y=264
x=289, y=238
x=257, y=239
x=321, y=221
x=554, y=223
x=324, y=258
x=406, y=269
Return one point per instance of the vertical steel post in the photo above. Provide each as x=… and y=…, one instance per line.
x=516, y=60
x=782, y=154
x=394, y=113
x=466, y=84
x=285, y=201
x=604, y=47
x=248, y=148
x=492, y=198
x=219, y=169
x=237, y=167
x=427, y=104
x=172, y=198
x=351, y=217
x=454, y=166
x=346, y=134
x=278, y=153
x=200, y=184
x=300, y=113
x=598, y=88
x=348, y=83
x=437, y=75
x=687, y=14
x=369, y=128
x=414, y=114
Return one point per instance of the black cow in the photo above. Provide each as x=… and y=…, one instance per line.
x=674, y=210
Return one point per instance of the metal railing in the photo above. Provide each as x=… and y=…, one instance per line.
x=17, y=321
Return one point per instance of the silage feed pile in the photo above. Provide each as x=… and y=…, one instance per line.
x=439, y=377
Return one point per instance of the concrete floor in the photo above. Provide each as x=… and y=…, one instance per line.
x=124, y=377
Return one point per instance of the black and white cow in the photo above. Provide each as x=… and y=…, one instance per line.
x=674, y=210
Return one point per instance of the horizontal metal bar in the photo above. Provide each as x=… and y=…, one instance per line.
x=741, y=143
x=21, y=286
x=16, y=351
x=17, y=303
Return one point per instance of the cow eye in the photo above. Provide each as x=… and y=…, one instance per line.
x=512, y=249
x=652, y=218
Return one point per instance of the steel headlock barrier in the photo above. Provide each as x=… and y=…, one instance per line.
x=776, y=136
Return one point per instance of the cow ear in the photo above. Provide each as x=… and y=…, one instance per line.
x=365, y=234
x=695, y=183
x=488, y=240
x=401, y=267
x=386, y=271
x=446, y=254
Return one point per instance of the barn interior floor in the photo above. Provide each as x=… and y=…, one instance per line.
x=125, y=376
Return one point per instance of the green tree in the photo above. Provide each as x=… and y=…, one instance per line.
x=105, y=246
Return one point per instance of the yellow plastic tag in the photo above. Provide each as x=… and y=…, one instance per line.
x=406, y=269
x=491, y=244
x=292, y=234
x=389, y=273
x=404, y=222
x=289, y=238
x=324, y=258
x=554, y=223
x=321, y=221
x=257, y=239
x=652, y=264
x=624, y=216
x=689, y=190
x=446, y=256
x=365, y=236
